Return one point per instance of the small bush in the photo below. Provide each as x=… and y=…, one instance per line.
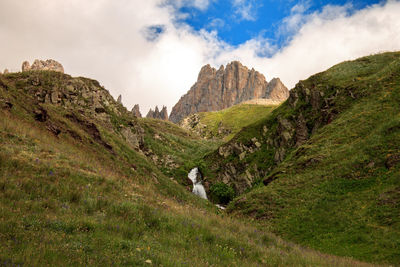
x=221, y=193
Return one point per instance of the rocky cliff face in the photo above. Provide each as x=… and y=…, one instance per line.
x=157, y=114
x=49, y=64
x=225, y=87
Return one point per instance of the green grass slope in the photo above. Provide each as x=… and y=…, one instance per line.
x=77, y=189
x=174, y=150
x=330, y=162
x=224, y=124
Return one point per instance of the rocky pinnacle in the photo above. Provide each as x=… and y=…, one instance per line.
x=157, y=114
x=136, y=111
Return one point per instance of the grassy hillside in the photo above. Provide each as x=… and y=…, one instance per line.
x=79, y=187
x=224, y=124
x=174, y=150
x=326, y=170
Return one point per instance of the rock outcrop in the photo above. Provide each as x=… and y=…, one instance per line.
x=276, y=90
x=82, y=101
x=49, y=64
x=310, y=105
x=119, y=100
x=225, y=87
x=136, y=111
x=6, y=71
x=157, y=114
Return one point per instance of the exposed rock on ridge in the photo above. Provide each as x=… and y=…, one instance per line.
x=310, y=105
x=225, y=87
x=156, y=114
x=49, y=64
x=84, y=102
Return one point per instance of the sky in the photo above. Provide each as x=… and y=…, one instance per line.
x=151, y=51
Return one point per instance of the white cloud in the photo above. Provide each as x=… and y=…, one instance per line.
x=199, y=4
x=216, y=23
x=332, y=36
x=326, y=38
x=245, y=9
x=109, y=41
x=137, y=48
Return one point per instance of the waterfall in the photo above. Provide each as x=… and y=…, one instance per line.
x=198, y=188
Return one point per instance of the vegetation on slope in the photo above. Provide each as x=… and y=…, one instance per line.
x=329, y=160
x=224, y=124
x=77, y=189
x=174, y=150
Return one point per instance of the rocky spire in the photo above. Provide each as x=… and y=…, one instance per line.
x=119, y=100
x=157, y=114
x=164, y=113
x=136, y=111
x=150, y=114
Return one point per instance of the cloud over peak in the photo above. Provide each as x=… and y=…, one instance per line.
x=142, y=50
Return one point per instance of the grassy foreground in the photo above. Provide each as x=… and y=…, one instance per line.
x=75, y=197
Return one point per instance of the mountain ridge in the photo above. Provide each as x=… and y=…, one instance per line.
x=219, y=89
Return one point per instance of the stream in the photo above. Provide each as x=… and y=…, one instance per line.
x=198, y=188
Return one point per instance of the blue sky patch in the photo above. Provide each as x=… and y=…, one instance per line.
x=237, y=21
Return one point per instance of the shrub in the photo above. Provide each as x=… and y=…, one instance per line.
x=221, y=193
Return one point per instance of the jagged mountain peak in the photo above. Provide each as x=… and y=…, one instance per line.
x=219, y=89
x=157, y=114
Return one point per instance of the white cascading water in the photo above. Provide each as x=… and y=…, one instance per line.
x=198, y=188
